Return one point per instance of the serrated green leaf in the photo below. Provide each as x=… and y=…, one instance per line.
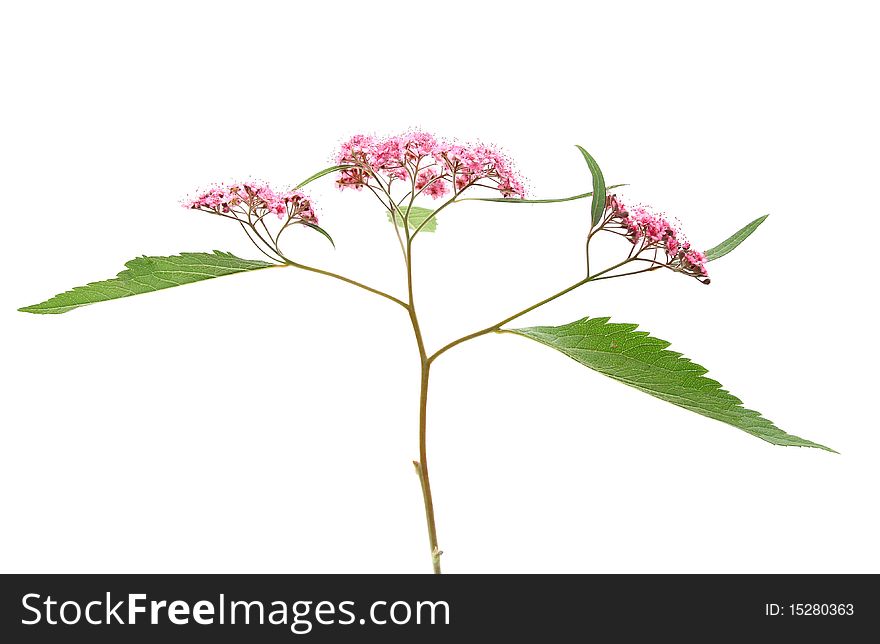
x=560, y=200
x=416, y=217
x=734, y=240
x=597, y=209
x=642, y=361
x=320, y=174
x=148, y=274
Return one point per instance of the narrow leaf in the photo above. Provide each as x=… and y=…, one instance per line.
x=734, y=240
x=416, y=217
x=147, y=274
x=323, y=172
x=322, y=231
x=598, y=207
x=642, y=361
x=508, y=200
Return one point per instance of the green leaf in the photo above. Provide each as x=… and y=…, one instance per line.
x=320, y=230
x=323, y=172
x=416, y=217
x=598, y=207
x=148, y=274
x=510, y=200
x=734, y=240
x=642, y=361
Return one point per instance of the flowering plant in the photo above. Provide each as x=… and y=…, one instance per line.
x=399, y=170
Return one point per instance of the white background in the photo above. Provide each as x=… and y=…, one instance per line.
x=267, y=422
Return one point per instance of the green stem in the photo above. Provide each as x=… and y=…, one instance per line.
x=422, y=464
x=347, y=280
x=497, y=326
x=432, y=215
x=422, y=470
x=589, y=237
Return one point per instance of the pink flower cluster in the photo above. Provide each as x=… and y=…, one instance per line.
x=432, y=166
x=653, y=230
x=254, y=198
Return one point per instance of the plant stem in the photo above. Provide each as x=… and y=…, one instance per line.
x=497, y=326
x=422, y=464
x=347, y=280
x=432, y=215
x=422, y=469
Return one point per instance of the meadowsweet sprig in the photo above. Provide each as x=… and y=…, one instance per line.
x=416, y=164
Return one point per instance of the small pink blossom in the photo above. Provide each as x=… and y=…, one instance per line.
x=418, y=144
x=511, y=187
x=424, y=177
x=400, y=173
x=419, y=154
x=388, y=154
x=436, y=189
x=653, y=231
x=352, y=178
x=356, y=149
x=695, y=261
x=253, y=198
x=431, y=183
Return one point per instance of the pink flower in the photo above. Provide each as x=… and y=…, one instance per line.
x=695, y=261
x=300, y=206
x=254, y=199
x=425, y=176
x=418, y=144
x=511, y=187
x=355, y=149
x=652, y=231
x=433, y=162
x=436, y=189
x=390, y=153
x=642, y=222
x=352, y=178
x=398, y=173
x=431, y=183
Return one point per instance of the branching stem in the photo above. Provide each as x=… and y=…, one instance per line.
x=425, y=360
x=347, y=280
x=497, y=326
